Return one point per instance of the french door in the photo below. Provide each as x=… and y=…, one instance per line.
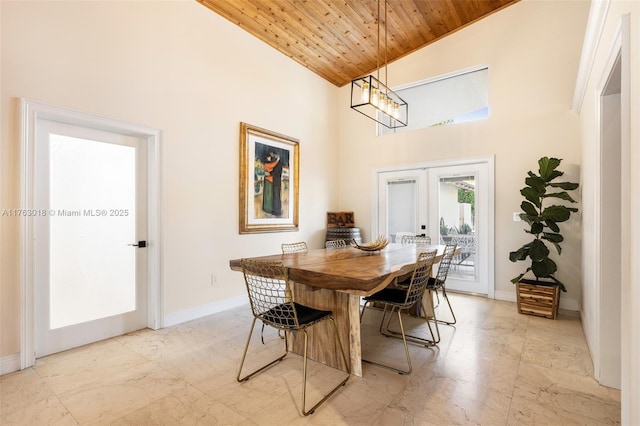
x=91, y=277
x=459, y=209
x=450, y=203
x=401, y=194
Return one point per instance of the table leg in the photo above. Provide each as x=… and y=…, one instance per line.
x=355, y=340
x=322, y=343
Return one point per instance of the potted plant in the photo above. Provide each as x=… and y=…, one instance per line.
x=540, y=296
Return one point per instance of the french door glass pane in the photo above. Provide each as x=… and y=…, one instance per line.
x=458, y=223
x=401, y=201
x=92, y=220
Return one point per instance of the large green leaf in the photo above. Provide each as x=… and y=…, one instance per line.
x=536, y=228
x=554, y=238
x=529, y=208
x=519, y=277
x=544, y=268
x=520, y=254
x=552, y=225
x=548, y=168
x=556, y=213
x=538, y=184
x=538, y=251
x=562, y=195
x=529, y=219
x=568, y=186
x=531, y=195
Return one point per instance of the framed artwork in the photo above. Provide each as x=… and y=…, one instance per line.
x=269, y=171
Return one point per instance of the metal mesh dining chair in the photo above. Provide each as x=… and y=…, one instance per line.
x=420, y=240
x=333, y=244
x=298, y=247
x=403, y=282
x=271, y=299
x=434, y=285
x=437, y=283
x=399, y=299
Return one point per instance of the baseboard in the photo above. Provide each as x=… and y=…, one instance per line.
x=196, y=312
x=9, y=363
x=507, y=296
x=566, y=304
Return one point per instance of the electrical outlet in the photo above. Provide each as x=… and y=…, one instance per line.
x=214, y=280
x=516, y=217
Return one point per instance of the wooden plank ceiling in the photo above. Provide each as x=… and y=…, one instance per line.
x=337, y=39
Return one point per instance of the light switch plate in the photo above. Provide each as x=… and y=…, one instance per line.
x=516, y=217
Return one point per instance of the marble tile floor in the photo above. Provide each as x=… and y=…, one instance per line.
x=495, y=367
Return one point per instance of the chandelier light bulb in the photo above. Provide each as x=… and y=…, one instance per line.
x=382, y=103
x=389, y=109
x=374, y=97
x=364, y=96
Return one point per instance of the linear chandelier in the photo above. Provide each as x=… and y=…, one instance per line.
x=370, y=97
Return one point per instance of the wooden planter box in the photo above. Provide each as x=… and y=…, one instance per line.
x=538, y=298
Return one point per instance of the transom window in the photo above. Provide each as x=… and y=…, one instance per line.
x=448, y=99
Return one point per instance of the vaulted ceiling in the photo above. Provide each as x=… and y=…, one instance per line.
x=338, y=39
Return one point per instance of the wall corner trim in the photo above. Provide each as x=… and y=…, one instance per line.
x=593, y=32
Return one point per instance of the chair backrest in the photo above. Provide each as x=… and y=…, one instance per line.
x=398, y=236
x=445, y=263
x=416, y=239
x=420, y=277
x=331, y=244
x=466, y=242
x=299, y=247
x=270, y=294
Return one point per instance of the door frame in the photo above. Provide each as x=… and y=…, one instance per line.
x=30, y=112
x=489, y=160
x=611, y=295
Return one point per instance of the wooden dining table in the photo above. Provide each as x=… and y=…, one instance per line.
x=335, y=279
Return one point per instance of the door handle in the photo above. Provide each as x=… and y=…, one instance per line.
x=140, y=244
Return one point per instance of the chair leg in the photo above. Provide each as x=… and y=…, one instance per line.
x=415, y=339
x=363, y=309
x=244, y=355
x=444, y=294
x=436, y=336
x=384, y=315
x=304, y=372
x=404, y=340
x=406, y=348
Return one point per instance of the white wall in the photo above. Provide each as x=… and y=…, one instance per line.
x=602, y=37
x=179, y=67
x=532, y=71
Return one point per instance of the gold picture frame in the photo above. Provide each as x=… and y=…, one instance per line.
x=269, y=181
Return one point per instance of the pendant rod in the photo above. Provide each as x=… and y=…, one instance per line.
x=386, y=73
x=378, y=47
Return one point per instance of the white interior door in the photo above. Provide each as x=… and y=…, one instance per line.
x=459, y=208
x=91, y=277
x=402, y=208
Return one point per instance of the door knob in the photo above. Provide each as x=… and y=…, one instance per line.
x=140, y=244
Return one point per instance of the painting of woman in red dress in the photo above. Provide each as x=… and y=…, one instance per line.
x=274, y=162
